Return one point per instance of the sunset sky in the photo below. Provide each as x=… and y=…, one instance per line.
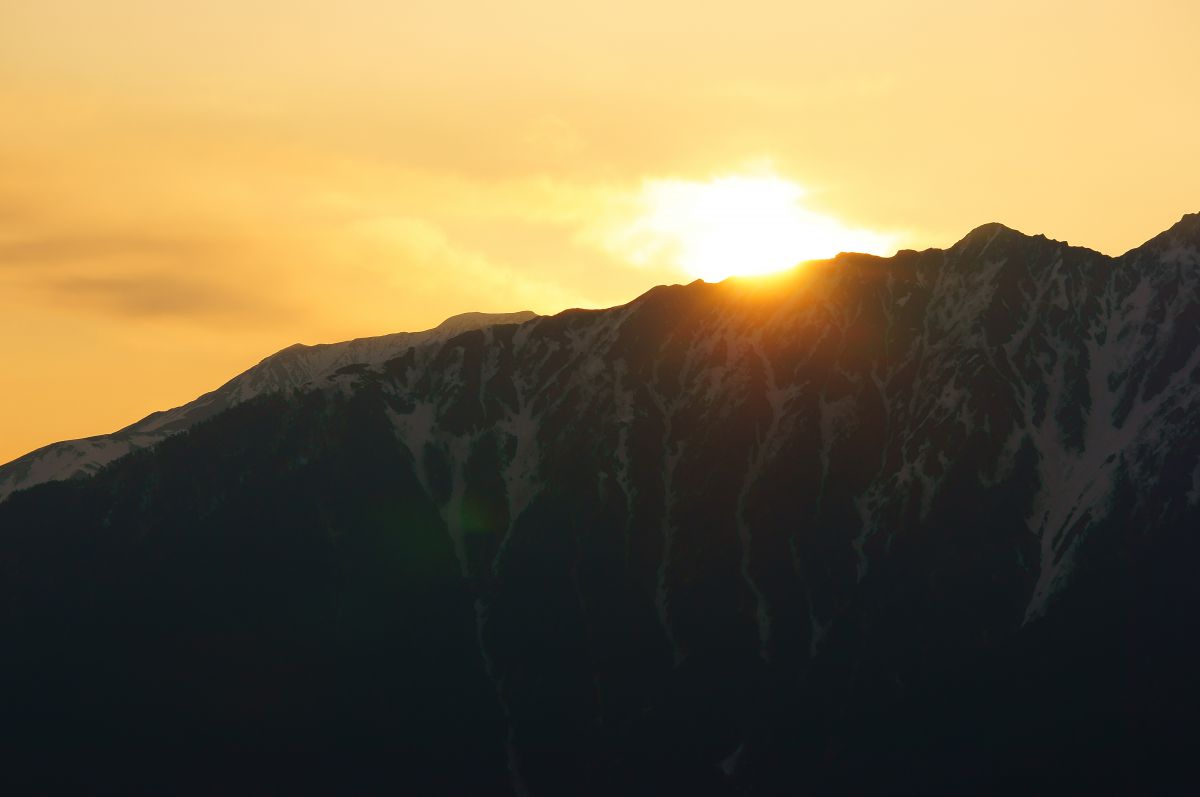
x=186, y=187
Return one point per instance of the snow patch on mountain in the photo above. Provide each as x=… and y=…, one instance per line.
x=296, y=367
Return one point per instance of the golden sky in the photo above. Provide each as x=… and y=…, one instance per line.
x=186, y=187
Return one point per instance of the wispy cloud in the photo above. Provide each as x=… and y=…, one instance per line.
x=74, y=249
x=153, y=296
x=127, y=276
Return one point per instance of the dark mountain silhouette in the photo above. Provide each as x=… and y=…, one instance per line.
x=918, y=524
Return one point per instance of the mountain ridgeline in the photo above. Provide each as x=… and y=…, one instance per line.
x=296, y=366
x=925, y=523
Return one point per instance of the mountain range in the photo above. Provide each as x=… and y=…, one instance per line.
x=925, y=523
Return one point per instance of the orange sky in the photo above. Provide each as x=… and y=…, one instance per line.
x=186, y=187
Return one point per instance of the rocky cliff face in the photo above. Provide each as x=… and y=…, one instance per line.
x=925, y=522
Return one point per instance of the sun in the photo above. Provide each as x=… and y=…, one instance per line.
x=735, y=225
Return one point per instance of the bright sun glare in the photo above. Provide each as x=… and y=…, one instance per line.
x=736, y=225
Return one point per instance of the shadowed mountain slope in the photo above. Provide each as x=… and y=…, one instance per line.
x=923, y=523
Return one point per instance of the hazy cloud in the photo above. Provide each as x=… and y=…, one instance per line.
x=127, y=276
x=155, y=296
x=77, y=249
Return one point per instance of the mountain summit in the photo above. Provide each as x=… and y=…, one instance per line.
x=914, y=524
